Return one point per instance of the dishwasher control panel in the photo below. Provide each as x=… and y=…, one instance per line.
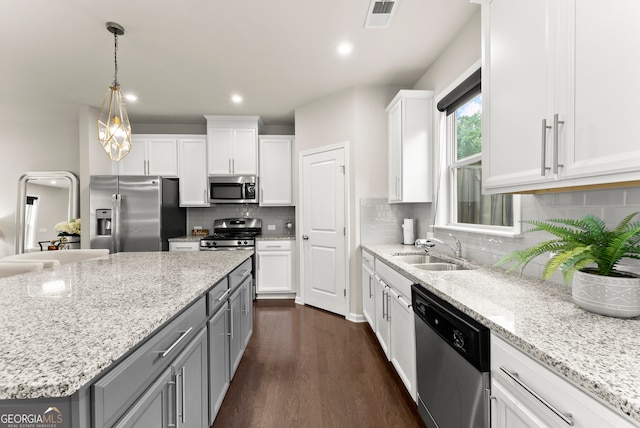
x=464, y=334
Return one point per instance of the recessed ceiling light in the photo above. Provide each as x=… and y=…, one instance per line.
x=131, y=97
x=344, y=48
x=236, y=98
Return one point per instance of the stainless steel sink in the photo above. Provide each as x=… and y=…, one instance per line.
x=440, y=266
x=416, y=259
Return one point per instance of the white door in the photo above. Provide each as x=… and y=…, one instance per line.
x=323, y=229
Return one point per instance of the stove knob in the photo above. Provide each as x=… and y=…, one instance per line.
x=239, y=242
x=245, y=242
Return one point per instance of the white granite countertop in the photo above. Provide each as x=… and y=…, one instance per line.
x=185, y=239
x=600, y=354
x=276, y=238
x=62, y=327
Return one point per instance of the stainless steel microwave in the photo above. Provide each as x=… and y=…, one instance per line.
x=233, y=189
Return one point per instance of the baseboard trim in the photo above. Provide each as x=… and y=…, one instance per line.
x=355, y=317
x=299, y=300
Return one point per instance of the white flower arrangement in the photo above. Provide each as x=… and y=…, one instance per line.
x=68, y=228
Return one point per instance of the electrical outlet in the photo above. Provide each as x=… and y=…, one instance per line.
x=271, y=227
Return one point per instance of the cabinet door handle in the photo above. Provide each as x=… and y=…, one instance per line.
x=230, y=169
x=204, y=194
x=566, y=417
x=170, y=348
x=230, y=322
x=184, y=388
x=543, y=164
x=369, y=286
x=177, y=399
x=233, y=165
x=305, y=237
x=556, y=125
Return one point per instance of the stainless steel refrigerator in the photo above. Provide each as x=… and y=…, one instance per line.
x=135, y=213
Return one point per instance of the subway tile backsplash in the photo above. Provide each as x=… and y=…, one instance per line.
x=380, y=222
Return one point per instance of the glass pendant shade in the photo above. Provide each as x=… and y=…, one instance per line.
x=114, y=128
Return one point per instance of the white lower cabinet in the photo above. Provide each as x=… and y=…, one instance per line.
x=403, y=344
x=394, y=322
x=383, y=328
x=525, y=393
x=184, y=246
x=368, y=289
x=274, y=269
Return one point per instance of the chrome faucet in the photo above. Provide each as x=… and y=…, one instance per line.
x=429, y=243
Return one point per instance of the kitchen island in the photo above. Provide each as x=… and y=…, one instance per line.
x=596, y=353
x=63, y=328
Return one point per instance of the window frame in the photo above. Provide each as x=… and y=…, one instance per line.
x=447, y=164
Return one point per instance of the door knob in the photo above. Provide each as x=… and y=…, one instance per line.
x=305, y=237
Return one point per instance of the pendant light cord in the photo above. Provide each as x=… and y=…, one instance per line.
x=115, y=60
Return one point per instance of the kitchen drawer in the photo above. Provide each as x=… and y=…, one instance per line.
x=559, y=392
x=284, y=245
x=114, y=393
x=394, y=279
x=217, y=296
x=368, y=259
x=184, y=246
x=240, y=273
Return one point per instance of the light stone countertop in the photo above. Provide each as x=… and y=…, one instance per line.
x=598, y=353
x=276, y=238
x=62, y=327
x=185, y=239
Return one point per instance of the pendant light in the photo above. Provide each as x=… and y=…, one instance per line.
x=114, y=128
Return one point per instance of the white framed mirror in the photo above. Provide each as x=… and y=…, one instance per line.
x=45, y=198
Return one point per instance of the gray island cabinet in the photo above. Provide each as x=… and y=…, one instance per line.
x=130, y=340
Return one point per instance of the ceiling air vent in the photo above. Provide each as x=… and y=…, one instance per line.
x=380, y=13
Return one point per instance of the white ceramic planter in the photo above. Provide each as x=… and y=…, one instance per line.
x=607, y=295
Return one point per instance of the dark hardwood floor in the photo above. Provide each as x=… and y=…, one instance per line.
x=305, y=367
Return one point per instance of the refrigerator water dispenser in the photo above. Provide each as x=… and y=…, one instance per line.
x=103, y=218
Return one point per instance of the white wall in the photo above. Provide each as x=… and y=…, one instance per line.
x=356, y=116
x=37, y=145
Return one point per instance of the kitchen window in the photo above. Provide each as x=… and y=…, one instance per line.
x=461, y=140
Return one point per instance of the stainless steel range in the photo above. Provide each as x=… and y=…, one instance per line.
x=232, y=234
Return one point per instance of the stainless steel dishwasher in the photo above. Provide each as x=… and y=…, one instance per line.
x=452, y=364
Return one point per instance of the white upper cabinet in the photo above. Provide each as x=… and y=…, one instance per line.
x=151, y=155
x=276, y=152
x=192, y=162
x=557, y=84
x=232, y=145
x=409, y=122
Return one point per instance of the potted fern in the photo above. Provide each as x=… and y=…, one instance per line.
x=587, y=252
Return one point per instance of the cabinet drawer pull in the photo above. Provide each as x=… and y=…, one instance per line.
x=245, y=273
x=226, y=293
x=514, y=376
x=182, y=336
x=403, y=301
